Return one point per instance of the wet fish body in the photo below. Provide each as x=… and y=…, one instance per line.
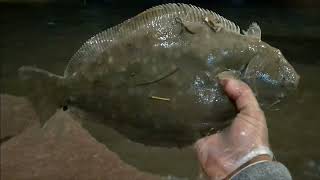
x=154, y=76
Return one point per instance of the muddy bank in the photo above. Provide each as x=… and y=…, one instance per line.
x=17, y=114
x=70, y=146
x=62, y=150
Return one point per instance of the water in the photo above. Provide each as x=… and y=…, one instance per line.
x=47, y=36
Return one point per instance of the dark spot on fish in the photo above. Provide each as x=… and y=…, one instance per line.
x=65, y=107
x=134, y=69
x=129, y=45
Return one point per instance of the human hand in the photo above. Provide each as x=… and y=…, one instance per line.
x=223, y=153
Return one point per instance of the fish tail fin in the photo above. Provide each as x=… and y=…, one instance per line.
x=45, y=90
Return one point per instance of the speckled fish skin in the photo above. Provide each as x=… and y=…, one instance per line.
x=154, y=77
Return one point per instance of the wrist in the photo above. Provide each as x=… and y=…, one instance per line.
x=233, y=163
x=255, y=160
x=253, y=153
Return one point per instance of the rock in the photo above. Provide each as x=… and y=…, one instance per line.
x=62, y=149
x=17, y=114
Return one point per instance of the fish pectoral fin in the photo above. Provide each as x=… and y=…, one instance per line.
x=256, y=64
x=253, y=31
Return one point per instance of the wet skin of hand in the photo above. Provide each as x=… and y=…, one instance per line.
x=220, y=154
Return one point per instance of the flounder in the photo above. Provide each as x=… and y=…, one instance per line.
x=154, y=76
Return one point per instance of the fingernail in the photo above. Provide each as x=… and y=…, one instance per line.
x=224, y=77
x=223, y=81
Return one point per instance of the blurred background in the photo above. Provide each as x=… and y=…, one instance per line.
x=234, y=3
x=46, y=33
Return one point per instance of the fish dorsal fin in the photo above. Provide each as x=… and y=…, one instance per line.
x=100, y=42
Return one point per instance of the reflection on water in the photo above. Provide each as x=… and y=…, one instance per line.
x=48, y=36
x=294, y=129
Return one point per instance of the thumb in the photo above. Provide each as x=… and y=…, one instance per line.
x=242, y=95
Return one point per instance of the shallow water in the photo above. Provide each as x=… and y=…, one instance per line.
x=47, y=36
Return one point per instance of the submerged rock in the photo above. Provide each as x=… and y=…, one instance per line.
x=17, y=114
x=62, y=149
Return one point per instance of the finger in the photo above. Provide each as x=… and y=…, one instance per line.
x=199, y=146
x=242, y=95
x=200, y=143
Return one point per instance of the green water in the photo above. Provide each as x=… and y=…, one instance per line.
x=48, y=36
